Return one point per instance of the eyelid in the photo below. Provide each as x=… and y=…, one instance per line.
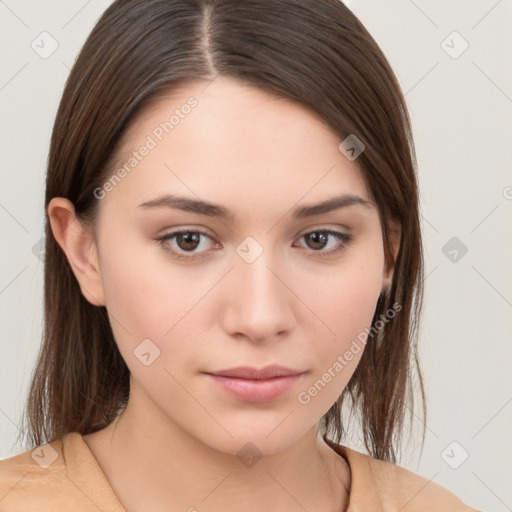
x=345, y=238
x=164, y=240
x=324, y=227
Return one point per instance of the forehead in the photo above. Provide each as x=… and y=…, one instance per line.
x=234, y=144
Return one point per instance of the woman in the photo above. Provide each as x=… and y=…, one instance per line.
x=233, y=257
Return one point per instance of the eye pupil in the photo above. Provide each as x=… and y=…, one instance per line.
x=189, y=241
x=319, y=239
x=189, y=238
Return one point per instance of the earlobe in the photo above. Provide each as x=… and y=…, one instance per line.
x=79, y=247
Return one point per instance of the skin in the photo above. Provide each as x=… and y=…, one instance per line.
x=261, y=157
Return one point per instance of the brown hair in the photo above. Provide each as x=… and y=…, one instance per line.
x=315, y=52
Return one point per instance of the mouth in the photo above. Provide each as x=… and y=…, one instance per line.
x=254, y=385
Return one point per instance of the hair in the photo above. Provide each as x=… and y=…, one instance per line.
x=315, y=52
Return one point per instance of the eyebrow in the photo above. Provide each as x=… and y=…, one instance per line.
x=199, y=207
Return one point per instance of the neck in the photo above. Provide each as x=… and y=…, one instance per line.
x=180, y=473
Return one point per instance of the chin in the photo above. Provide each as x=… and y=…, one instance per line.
x=254, y=438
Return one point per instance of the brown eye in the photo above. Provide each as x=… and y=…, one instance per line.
x=188, y=241
x=318, y=240
x=183, y=244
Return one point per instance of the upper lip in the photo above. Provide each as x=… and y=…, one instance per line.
x=248, y=372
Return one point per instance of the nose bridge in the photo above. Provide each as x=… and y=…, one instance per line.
x=259, y=277
x=259, y=301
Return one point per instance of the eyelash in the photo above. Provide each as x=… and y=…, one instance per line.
x=347, y=240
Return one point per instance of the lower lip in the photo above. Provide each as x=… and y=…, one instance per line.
x=255, y=390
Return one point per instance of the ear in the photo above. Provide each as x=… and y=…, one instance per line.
x=395, y=233
x=79, y=247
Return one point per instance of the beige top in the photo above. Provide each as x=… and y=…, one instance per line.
x=64, y=476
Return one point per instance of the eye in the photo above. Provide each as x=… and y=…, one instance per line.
x=188, y=242
x=318, y=240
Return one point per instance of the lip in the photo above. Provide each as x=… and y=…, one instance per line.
x=250, y=384
x=248, y=372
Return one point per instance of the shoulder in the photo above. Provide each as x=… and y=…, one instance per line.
x=404, y=489
x=28, y=474
x=382, y=486
x=60, y=475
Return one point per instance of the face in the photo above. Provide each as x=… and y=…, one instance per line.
x=192, y=294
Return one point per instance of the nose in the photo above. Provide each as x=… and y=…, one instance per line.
x=258, y=303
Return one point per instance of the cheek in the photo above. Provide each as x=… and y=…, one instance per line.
x=344, y=296
x=345, y=301
x=150, y=304
x=146, y=293
x=352, y=308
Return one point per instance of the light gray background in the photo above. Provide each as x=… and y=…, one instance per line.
x=461, y=108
